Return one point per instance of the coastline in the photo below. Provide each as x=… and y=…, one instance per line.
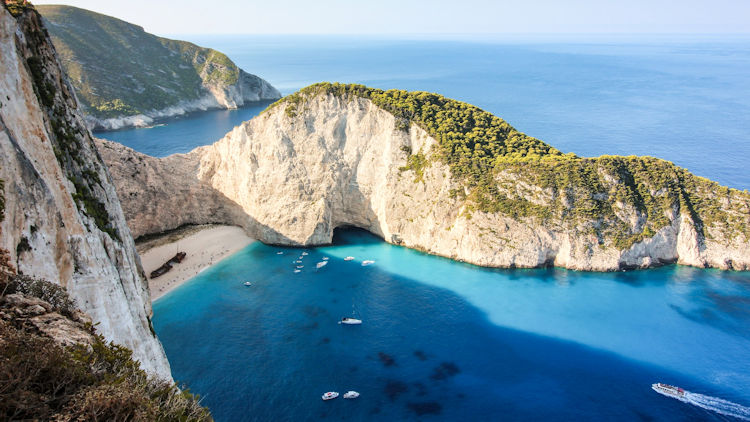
x=204, y=245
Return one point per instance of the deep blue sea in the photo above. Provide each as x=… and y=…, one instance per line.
x=684, y=100
x=445, y=341
x=448, y=341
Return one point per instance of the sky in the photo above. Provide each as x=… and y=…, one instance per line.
x=393, y=17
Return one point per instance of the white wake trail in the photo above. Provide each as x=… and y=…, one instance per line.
x=717, y=405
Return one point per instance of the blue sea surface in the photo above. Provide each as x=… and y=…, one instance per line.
x=443, y=340
x=683, y=100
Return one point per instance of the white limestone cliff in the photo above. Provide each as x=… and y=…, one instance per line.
x=62, y=220
x=339, y=163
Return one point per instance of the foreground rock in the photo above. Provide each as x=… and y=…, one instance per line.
x=60, y=218
x=342, y=155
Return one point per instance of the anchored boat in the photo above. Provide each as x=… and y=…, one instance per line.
x=351, y=395
x=330, y=395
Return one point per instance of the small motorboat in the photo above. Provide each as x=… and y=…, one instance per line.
x=350, y=321
x=321, y=264
x=330, y=395
x=304, y=253
x=279, y=253
x=351, y=395
x=297, y=262
x=349, y=258
x=297, y=271
x=325, y=258
x=300, y=266
x=367, y=262
x=247, y=283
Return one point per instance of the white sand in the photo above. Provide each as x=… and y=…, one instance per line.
x=204, y=246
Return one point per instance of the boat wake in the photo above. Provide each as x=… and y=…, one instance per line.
x=717, y=405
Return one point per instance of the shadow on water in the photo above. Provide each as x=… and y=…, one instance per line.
x=257, y=354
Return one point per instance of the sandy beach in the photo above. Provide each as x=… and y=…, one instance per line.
x=204, y=245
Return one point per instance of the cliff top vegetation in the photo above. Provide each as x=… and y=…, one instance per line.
x=118, y=69
x=508, y=172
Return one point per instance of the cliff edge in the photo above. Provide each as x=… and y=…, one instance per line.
x=439, y=175
x=61, y=220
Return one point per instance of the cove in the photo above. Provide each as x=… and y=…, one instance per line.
x=443, y=340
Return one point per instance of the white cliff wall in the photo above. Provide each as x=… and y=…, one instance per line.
x=337, y=162
x=46, y=157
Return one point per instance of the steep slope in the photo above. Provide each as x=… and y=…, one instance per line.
x=127, y=77
x=57, y=368
x=443, y=176
x=62, y=220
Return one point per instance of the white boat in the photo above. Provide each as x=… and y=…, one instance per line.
x=304, y=253
x=325, y=258
x=349, y=258
x=330, y=395
x=298, y=262
x=297, y=271
x=321, y=264
x=279, y=253
x=300, y=266
x=367, y=262
x=350, y=321
x=351, y=395
x=669, y=390
x=247, y=283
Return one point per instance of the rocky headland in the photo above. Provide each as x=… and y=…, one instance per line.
x=430, y=173
x=124, y=76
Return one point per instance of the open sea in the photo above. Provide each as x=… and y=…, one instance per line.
x=446, y=341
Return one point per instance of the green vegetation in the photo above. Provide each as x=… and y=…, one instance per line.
x=16, y=7
x=117, y=69
x=620, y=200
x=416, y=163
x=42, y=380
x=2, y=200
x=67, y=138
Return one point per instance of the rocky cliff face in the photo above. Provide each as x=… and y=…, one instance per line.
x=321, y=161
x=62, y=220
x=125, y=76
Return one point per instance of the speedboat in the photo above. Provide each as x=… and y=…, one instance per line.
x=297, y=271
x=367, y=262
x=330, y=395
x=297, y=262
x=247, y=283
x=304, y=253
x=350, y=321
x=321, y=264
x=325, y=258
x=351, y=395
x=669, y=390
x=300, y=266
x=349, y=258
x=279, y=253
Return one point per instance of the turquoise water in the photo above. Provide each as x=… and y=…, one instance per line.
x=448, y=341
x=686, y=101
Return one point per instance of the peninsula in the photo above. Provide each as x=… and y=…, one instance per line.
x=124, y=76
x=435, y=174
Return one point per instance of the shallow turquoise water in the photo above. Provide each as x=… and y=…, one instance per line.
x=447, y=341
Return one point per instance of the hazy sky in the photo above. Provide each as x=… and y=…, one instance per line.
x=427, y=16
